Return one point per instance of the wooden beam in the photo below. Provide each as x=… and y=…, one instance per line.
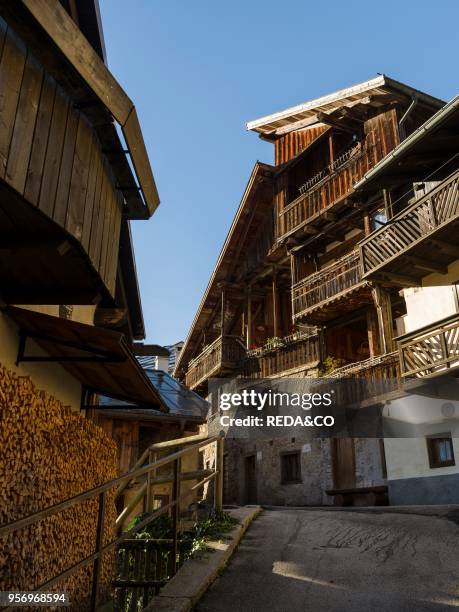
x=110, y=317
x=426, y=264
x=403, y=280
x=275, y=299
x=69, y=39
x=346, y=125
x=381, y=299
x=446, y=247
x=293, y=127
x=249, y=318
x=139, y=157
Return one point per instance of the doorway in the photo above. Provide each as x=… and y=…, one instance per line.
x=250, y=480
x=343, y=463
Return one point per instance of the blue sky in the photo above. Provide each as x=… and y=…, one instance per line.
x=198, y=70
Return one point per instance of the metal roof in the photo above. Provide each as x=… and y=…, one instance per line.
x=181, y=402
x=379, y=86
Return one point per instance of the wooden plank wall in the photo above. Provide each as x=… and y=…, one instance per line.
x=288, y=146
x=51, y=155
x=382, y=134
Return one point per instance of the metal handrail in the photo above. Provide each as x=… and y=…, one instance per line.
x=101, y=492
x=157, y=447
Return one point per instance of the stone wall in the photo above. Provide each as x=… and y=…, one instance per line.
x=316, y=470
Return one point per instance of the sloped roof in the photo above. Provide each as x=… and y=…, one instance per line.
x=377, y=87
x=231, y=247
x=435, y=139
x=181, y=402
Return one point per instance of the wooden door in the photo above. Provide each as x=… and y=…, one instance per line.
x=344, y=463
x=250, y=480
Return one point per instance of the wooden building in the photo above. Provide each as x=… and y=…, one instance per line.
x=288, y=296
x=69, y=187
x=416, y=254
x=74, y=172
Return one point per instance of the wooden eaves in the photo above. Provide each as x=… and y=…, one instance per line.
x=54, y=21
x=100, y=359
x=228, y=254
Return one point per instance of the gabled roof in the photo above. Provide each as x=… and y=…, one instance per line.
x=306, y=113
x=231, y=247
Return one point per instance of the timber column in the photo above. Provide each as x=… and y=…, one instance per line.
x=382, y=303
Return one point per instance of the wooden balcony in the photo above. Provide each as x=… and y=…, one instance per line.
x=420, y=240
x=218, y=359
x=366, y=382
x=335, y=290
x=328, y=192
x=295, y=353
x=431, y=350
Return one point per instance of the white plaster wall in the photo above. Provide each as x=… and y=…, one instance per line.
x=50, y=377
x=425, y=305
x=162, y=363
x=408, y=457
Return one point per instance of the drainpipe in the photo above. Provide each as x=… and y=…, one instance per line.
x=401, y=123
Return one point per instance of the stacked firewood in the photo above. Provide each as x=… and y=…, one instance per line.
x=49, y=453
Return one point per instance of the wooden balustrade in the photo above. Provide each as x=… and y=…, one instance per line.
x=371, y=379
x=319, y=288
x=431, y=350
x=421, y=220
x=322, y=196
x=224, y=354
x=292, y=353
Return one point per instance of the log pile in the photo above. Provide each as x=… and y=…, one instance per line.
x=49, y=453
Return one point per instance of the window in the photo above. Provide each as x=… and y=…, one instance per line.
x=378, y=219
x=291, y=467
x=440, y=450
x=159, y=501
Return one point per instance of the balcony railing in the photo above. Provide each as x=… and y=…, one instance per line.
x=288, y=354
x=224, y=354
x=369, y=380
x=432, y=350
x=337, y=183
x=322, y=287
x=410, y=228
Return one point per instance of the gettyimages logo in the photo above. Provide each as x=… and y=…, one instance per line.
x=271, y=408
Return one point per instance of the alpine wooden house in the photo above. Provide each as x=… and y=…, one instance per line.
x=289, y=295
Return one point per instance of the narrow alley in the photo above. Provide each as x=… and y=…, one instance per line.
x=326, y=560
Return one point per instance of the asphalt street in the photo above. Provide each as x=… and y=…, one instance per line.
x=314, y=560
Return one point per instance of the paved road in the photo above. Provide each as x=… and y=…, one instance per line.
x=305, y=560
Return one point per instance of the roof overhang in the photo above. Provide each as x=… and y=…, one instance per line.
x=375, y=91
x=45, y=24
x=146, y=416
x=99, y=358
x=259, y=173
x=431, y=144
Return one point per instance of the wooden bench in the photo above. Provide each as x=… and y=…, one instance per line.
x=360, y=496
